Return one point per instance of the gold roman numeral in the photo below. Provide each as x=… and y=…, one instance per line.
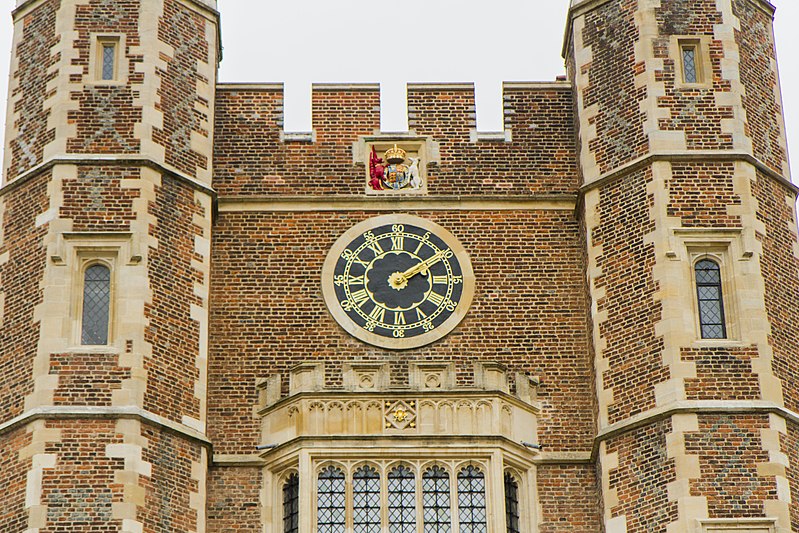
x=441, y=280
x=377, y=314
x=399, y=318
x=360, y=297
x=355, y=280
x=376, y=248
x=436, y=298
x=398, y=242
x=420, y=314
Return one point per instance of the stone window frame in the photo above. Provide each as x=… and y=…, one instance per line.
x=729, y=247
x=736, y=525
x=384, y=461
x=704, y=71
x=99, y=41
x=77, y=251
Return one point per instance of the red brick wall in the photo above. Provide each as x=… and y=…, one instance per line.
x=249, y=158
x=267, y=313
x=96, y=200
x=234, y=499
x=174, y=336
x=693, y=111
x=80, y=493
x=169, y=488
x=702, y=195
x=185, y=31
x=722, y=374
x=568, y=499
x=611, y=33
x=780, y=269
x=633, y=349
x=35, y=59
x=790, y=445
x=763, y=113
x=21, y=277
x=106, y=115
x=642, y=478
x=730, y=449
x=13, y=514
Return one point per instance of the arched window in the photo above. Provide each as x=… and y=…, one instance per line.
x=331, y=501
x=366, y=500
x=291, y=504
x=436, y=501
x=96, y=305
x=511, y=504
x=472, y=501
x=401, y=501
x=711, y=303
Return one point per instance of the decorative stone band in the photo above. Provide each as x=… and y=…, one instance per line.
x=560, y=202
x=706, y=407
x=95, y=160
x=703, y=156
x=104, y=413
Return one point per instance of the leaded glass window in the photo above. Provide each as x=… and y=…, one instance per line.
x=96, y=305
x=436, y=501
x=511, y=504
x=711, y=304
x=689, y=70
x=109, y=58
x=472, y=501
x=366, y=500
x=291, y=504
x=331, y=501
x=401, y=501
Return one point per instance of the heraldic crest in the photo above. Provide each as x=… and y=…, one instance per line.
x=394, y=171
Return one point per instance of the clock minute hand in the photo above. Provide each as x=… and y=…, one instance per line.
x=424, y=265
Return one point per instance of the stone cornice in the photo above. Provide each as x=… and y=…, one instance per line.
x=96, y=160
x=104, y=413
x=233, y=204
x=688, y=157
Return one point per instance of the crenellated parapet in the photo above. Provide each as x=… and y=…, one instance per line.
x=534, y=155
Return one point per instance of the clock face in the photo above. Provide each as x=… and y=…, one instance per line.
x=398, y=281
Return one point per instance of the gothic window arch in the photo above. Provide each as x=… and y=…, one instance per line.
x=366, y=500
x=472, y=517
x=401, y=500
x=436, y=507
x=512, y=515
x=95, y=316
x=710, y=298
x=291, y=503
x=331, y=500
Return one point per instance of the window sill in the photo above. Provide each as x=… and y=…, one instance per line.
x=110, y=350
x=718, y=343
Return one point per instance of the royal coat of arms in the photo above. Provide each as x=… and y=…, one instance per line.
x=395, y=171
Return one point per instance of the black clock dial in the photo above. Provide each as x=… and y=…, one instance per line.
x=398, y=278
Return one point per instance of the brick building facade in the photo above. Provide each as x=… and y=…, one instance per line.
x=180, y=351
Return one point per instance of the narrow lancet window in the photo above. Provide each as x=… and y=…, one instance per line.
x=511, y=504
x=689, y=70
x=401, y=501
x=331, y=501
x=109, y=50
x=291, y=504
x=96, y=305
x=366, y=500
x=472, y=501
x=436, y=501
x=711, y=303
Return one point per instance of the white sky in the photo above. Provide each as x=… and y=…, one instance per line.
x=393, y=42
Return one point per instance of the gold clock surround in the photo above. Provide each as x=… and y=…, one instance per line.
x=357, y=331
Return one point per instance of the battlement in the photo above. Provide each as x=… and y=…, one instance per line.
x=533, y=154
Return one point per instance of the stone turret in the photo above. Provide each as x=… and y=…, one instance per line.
x=684, y=166
x=104, y=265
